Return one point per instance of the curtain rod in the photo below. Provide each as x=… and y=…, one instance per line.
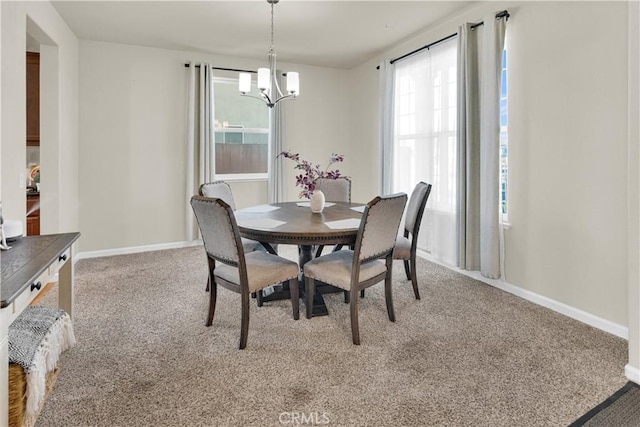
x=225, y=69
x=503, y=14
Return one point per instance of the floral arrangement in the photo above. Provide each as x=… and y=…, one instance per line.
x=307, y=179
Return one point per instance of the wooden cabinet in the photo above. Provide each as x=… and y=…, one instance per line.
x=33, y=215
x=33, y=134
x=33, y=98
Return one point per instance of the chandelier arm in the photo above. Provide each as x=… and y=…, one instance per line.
x=274, y=75
x=279, y=92
x=282, y=99
x=261, y=98
x=266, y=98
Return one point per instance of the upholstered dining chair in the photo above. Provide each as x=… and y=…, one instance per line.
x=335, y=190
x=222, y=190
x=231, y=268
x=368, y=263
x=407, y=245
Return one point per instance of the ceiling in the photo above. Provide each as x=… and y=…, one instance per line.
x=339, y=34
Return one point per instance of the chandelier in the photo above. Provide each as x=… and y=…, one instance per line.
x=268, y=85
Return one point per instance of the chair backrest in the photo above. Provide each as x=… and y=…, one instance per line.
x=218, y=190
x=335, y=190
x=219, y=229
x=417, y=202
x=379, y=228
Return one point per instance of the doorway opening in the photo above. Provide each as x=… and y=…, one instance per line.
x=42, y=170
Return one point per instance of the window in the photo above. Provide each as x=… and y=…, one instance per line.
x=504, y=146
x=424, y=146
x=241, y=133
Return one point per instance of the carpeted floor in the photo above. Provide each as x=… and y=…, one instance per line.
x=466, y=354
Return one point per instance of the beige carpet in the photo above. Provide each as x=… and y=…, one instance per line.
x=466, y=354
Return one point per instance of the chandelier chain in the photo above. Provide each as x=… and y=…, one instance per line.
x=272, y=32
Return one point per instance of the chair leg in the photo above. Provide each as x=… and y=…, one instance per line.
x=355, y=329
x=406, y=269
x=319, y=251
x=259, y=297
x=387, y=293
x=362, y=293
x=346, y=297
x=244, y=323
x=212, y=266
x=213, y=294
x=337, y=247
x=311, y=288
x=295, y=297
x=414, y=278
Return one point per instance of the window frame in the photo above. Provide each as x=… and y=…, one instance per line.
x=249, y=176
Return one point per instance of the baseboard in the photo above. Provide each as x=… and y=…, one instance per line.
x=633, y=374
x=136, y=249
x=559, y=307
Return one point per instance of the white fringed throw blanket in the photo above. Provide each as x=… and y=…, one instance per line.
x=36, y=339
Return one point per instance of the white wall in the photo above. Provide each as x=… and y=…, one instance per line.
x=132, y=139
x=318, y=123
x=567, y=147
x=62, y=213
x=633, y=368
x=363, y=111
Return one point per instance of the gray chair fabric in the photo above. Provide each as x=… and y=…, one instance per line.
x=230, y=268
x=335, y=269
x=335, y=190
x=218, y=190
x=407, y=245
x=402, y=249
x=222, y=190
x=263, y=270
x=369, y=263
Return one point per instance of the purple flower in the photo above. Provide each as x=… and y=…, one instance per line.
x=307, y=180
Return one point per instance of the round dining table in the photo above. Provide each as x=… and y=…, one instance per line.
x=293, y=223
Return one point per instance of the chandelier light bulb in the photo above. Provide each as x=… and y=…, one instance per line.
x=244, y=82
x=293, y=83
x=264, y=77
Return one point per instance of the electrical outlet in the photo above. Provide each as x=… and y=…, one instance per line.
x=22, y=181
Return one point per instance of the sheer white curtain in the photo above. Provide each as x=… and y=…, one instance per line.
x=385, y=132
x=201, y=154
x=424, y=141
